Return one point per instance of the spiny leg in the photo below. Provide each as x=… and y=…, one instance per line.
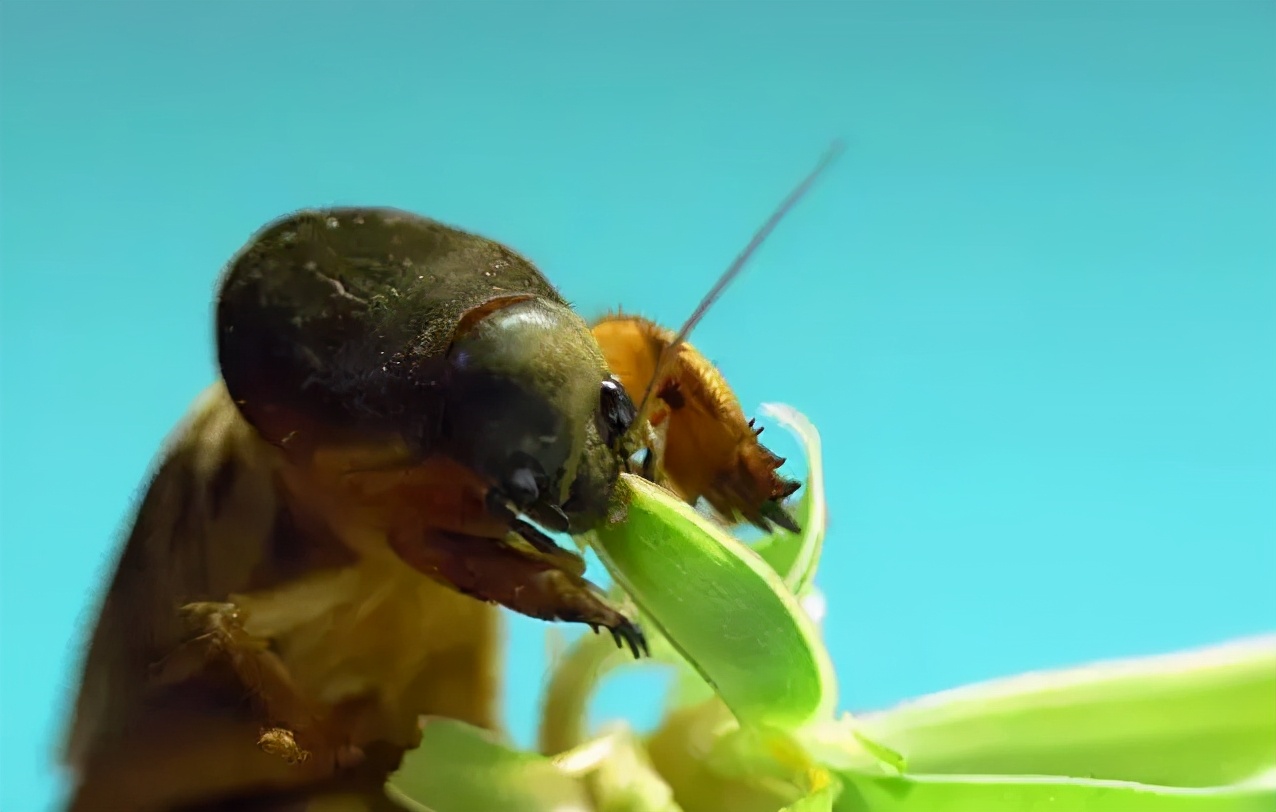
x=542, y=548
x=294, y=727
x=707, y=447
x=455, y=500
x=492, y=570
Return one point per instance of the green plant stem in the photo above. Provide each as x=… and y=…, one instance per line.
x=974, y=793
x=1197, y=719
x=571, y=687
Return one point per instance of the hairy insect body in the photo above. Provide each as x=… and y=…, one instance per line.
x=710, y=450
x=292, y=620
x=319, y=550
x=315, y=562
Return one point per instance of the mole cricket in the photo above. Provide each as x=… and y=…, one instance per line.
x=403, y=408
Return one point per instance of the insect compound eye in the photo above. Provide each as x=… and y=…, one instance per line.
x=617, y=411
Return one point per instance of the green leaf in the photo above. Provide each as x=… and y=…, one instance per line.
x=760, y=753
x=572, y=681
x=821, y=800
x=796, y=556
x=715, y=764
x=1205, y=718
x=724, y=609
x=688, y=688
x=460, y=768
x=842, y=744
x=620, y=775
x=919, y=793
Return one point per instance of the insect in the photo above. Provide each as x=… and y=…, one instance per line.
x=708, y=448
x=315, y=564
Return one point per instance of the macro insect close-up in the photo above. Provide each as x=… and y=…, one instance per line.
x=404, y=409
x=549, y=406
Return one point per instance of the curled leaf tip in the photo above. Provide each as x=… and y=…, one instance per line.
x=720, y=606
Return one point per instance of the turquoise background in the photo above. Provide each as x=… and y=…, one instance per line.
x=1031, y=310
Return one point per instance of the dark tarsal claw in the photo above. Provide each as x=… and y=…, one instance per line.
x=760, y=523
x=535, y=537
x=775, y=513
x=499, y=505
x=629, y=634
x=782, y=488
x=559, y=522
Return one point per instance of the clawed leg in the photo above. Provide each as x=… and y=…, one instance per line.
x=707, y=448
x=543, y=548
x=531, y=584
x=293, y=728
x=175, y=757
x=457, y=501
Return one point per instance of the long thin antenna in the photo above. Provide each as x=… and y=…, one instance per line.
x=667, y=355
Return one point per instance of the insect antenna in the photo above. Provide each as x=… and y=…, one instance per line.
x=668, y=354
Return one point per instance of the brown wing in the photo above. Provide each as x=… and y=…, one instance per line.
x=205, y=523
x=213, y=523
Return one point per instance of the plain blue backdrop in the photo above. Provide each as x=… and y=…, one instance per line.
x=1031, y=310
